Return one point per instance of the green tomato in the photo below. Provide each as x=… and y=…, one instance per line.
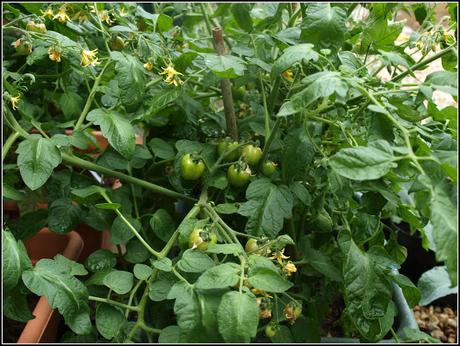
x=238, y=175
x=191, y=168
x=271, y=330
x=201, y=239
x=226, y=145
x=117, y=43
x=268, y=168
x=252, y=154
x=251, y=245
x=238, y=93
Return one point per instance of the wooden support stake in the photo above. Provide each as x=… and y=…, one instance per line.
x=226, y=87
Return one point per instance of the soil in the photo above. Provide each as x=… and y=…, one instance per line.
x=440, y=323
x=13, y=329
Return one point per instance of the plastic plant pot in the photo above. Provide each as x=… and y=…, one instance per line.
x=46, y=244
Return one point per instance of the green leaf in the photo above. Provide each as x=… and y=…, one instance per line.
x=434, y=284
x=159, y=289
x=320, y=262
x=364, y=163
x=120, y=231
x=11, y=193
x=292, y=55
x=194, y=261
x=117, y=129
x=220, y=276
x=443, y=80
x=63, y=216
x=119, y=281
x=224, y=66
x=226, y=249
x=131, y=80
x=298, y=153
x=142, y=271
x=162, y=224
x=136, y=252
x=108, y=206
x=161, y=148
x=87, y=191
x=100, y=260
x=15, y=260
x=71, y=105
x=415, y=335
x=186, y=307
x=36, y=160
x=51, y=278
x=410, y=291
x=109, y=320
x=324, y=26
x=267, y=207
x=368, y=293
x=161, y=97
x=164, y=264
x=320, y=85
x=379, y=35
x=169, y=335
x=268, y=280
x=301, y=192
x=238, y=317
x=241, y=13
x=445, y=233
x=15, y=306
x=72, y=267
x=227, y=208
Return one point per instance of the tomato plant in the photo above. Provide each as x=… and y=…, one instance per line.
x=267, y=158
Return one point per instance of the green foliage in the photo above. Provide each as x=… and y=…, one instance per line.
x=357, y=158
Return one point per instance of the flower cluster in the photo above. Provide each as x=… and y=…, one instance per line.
x=172, y=76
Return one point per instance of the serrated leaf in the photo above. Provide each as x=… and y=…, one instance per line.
x=117, y=129
x=238, y=317
x=36, y=160
x=51, y=279
x=292, y=55
x=224, y=66
x=14, y=260
x=267, y=207
x=100, y=260
x=119, y=281
x=161, y=148
x=220, y=276
x=364, y=163
x=268, y=280
x=109, y=320
x=194, y=261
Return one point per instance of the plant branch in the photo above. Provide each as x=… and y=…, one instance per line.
x=113, y=302
x=226, y=88
x=8, y=143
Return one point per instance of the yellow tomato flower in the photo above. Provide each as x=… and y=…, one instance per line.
x=256, y=291
x=14, y=101
x=16, y=43
x=123, y=12
x=148, y=66
x=290, y=268
x=62, y=16
x=279, y=256
x=48, y=13
x=54, y=54
x=88, y=58
x=105, y=17
x=288, y=74
x=172, y=75
x=80, y=16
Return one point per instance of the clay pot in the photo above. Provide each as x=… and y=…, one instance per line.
x=46, y=244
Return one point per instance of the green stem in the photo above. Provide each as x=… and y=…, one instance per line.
x=206, y=19
x=131, y=296
x=191, y=214
x=76, y=161
x=274, y=94
x=243, y=262
x=266, y=114
x=113, y=302
x=8, y=143
x=269, y=141
x=131, y=227
x=133, y=192
x=423, y=63
x=90, y=99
